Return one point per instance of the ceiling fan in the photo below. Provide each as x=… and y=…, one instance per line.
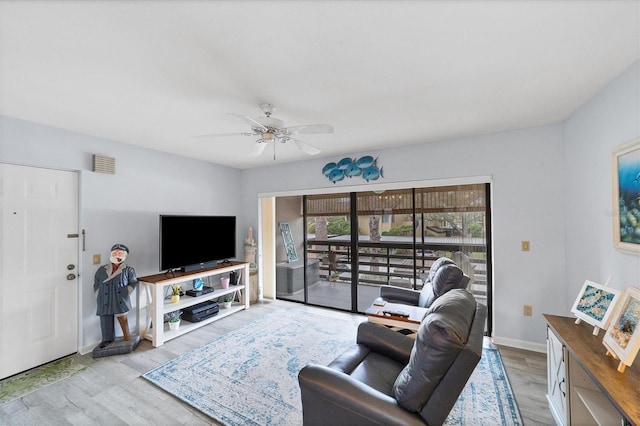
x=271, y=129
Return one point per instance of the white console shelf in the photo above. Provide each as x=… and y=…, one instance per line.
x=157, y=286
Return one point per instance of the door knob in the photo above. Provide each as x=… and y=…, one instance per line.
x=71, y=267
x=71, y=277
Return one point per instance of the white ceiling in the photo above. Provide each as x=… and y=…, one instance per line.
x=383, y=73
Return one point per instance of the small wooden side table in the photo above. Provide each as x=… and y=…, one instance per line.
x=379, y=314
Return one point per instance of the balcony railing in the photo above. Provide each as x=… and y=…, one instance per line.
x=396, y=261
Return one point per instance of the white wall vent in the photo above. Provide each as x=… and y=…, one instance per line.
x=102, y=164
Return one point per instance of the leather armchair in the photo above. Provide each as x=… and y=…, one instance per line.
x=443, y=276
x=391, y=379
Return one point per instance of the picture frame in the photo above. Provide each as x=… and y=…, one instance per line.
x=622, y=338
x=289, y=243
x=595, y=304
x=625, y=165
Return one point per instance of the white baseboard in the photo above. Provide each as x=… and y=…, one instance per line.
x=86, y=349
x=520, y=344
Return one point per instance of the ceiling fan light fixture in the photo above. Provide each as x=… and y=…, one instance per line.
x=271, y=129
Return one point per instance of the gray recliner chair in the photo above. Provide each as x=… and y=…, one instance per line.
x=444, y=275
x=391, y=379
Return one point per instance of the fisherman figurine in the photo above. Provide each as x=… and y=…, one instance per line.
x=114, y=282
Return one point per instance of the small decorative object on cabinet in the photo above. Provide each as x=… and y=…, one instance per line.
x=175, y=293
x=174, y=320
x=622, y=338
x=584, y=387
x=227, y=300
x=595, y=305
x=224, y=282
x=198, y=284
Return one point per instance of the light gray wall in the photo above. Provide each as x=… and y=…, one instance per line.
x=123, y=207
x=550, y=185
x=527, y=174
x=591, y=134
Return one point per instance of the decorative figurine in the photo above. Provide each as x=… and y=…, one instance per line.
x=249, y=241
x=250, y=257
x=114, y=282
x=250, y=249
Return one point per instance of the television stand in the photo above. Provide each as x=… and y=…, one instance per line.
x=154, y=328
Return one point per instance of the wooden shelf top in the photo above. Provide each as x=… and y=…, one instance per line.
x=622, y=389
x=181, y=276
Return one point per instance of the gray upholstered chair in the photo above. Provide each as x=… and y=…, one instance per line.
x=391, y=379
x=444, y=275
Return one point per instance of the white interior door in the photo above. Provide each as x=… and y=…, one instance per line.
x=38, y=266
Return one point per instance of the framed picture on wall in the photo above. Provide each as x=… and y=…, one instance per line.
x=289, y=243
x=626, y=197
x=595, y=304
x=622, y=338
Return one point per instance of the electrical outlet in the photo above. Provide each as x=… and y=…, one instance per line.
x=96, y=259
x=528, y=310
x=525, y=245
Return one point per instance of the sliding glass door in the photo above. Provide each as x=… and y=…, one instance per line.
x=352, y=243
x=454, y=221
x=386, y=242
x=329, y=245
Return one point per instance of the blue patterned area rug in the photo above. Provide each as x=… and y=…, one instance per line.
x=250, y=376
x=487, y=399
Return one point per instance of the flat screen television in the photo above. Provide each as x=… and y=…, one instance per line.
x=190, y=243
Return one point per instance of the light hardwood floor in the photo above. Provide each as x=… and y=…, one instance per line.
x=110, y=390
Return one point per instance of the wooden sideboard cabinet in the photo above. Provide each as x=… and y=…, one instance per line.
x=584, y=386
x=158, y=286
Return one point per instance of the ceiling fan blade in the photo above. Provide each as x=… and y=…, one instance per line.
x=305, y=147
x=217, y=135
x=309, y=129
x=257, y=148
x=253, y=123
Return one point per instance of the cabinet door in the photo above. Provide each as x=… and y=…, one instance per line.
x=557, y=378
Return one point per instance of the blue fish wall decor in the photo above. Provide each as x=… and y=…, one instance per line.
x=336, y=175
x=344, y=163
x=328, y=168
x=366, y=161
x=372, y=173
x=352, y=170
x=366, y=167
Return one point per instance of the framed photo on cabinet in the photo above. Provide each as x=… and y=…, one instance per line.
x=622, y=338
x=625, y=165
x=595, y=304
